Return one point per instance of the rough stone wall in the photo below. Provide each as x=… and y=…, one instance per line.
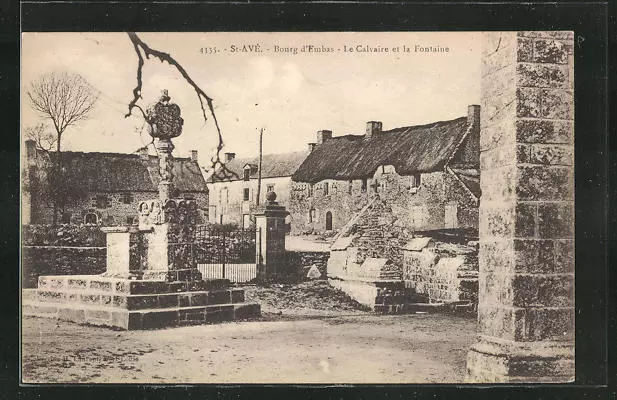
x=300, y=261
x=117, y=211
x=444, y=272
x=418, y=210
x=526, y=257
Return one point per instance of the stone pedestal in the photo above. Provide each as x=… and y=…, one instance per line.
x=526, y=254
x=151, y=279
x=270, y=231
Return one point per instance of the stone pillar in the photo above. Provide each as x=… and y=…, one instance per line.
x=164, y=147
x=526, y=255
x=126, y=252
x=270, y=241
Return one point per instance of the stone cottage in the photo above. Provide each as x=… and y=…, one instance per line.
x=110, y=185
x=232, y=200
x=428, y=174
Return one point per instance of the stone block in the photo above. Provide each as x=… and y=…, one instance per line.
x=543, y=290
x=119, y=301
x=496, y=255
x=101, y=285
x=549, y=183
x=538, y=324
x=168, y=300
x=534, y=256
x=246, y=310
x=564, y=256
x=72, y=314
x=498, y=184
x=106, y=299
x=528, y=102
x=227, y=312
x=97, y=315
x=237, y=296
x=543, y=131
x=496, y=290
x=525, y=219
x=542, y=75
x=219, y=297
x=184, y=299
x=524, y=50
x=158, y=319
x=496, y=321
x=497, y=219
x=551, y=154
x=556, y=220
x=77, y=283
x=138, y=302
x=50, y=295
x=120, y=319
x=557, y=104
x=199, y=299
x=89, y=298
x=550, y=51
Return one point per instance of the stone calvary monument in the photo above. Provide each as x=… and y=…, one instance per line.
x=151, y=279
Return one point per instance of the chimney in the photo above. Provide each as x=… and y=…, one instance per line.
x=30, y=149
x=311, y=147
x=143, y=153
x=229, y=157
x=323, y=135
x=372, y=128
x=473, y=115
x=194, y=156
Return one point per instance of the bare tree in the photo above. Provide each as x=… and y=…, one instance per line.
x=43, y=139
x=65, y=99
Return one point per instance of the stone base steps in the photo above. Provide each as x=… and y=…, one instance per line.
x=136, y=304
x=149, y=318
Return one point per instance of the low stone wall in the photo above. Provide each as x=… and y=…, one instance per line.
x=62, y=235
x=445, y=272
x=301, y=261
x=45, y=260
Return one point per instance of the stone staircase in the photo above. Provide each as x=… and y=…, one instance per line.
x=136, y=304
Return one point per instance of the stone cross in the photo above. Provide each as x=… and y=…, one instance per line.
x=164, y=123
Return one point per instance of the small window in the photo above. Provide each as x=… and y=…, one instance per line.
x=66, y=218
x=127, y=197
x=246, y=194
x=376, y=186
x=350, y=187
x=270, y=188
x=102, y=201
x=325, y=189
x=130, y=220
x=91, y=218
x=311, y=215
x=247, y=174
x=310, y=189
x=364, y=185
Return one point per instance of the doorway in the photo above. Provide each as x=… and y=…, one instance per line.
x=328, y=221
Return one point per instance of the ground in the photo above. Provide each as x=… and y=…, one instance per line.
x=297, y=340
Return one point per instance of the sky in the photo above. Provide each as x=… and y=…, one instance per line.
x=291, y=96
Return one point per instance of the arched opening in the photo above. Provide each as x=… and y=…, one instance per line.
x=328, y=221
x=91, y=218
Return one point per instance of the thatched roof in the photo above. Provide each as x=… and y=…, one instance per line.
x=411, y=149
x=115, y=172
x=273, y=166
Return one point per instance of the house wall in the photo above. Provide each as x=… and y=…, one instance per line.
x=423, y=209
x=117, y=211
x=232, y=205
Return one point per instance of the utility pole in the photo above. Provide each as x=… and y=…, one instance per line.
x=261, y=134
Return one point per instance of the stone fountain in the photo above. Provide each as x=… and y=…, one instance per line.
x=151, y=279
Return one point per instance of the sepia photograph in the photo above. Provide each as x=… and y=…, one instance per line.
x=297, y=207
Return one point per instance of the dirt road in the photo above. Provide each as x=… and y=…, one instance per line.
x=347, y=348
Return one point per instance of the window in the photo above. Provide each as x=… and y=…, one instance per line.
x=102, y=201
x=90, y=218
x=127, y=197
x=310, y=189
x=270, y=188
x=246, y=194
x=364, y=185
x=328, y=221
x=376, y=186
x=325, y=189
x=66, y=218
x=247, y=174
x=415, y=181
x=311, y=216
x=350, y=187
x=130, y=220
